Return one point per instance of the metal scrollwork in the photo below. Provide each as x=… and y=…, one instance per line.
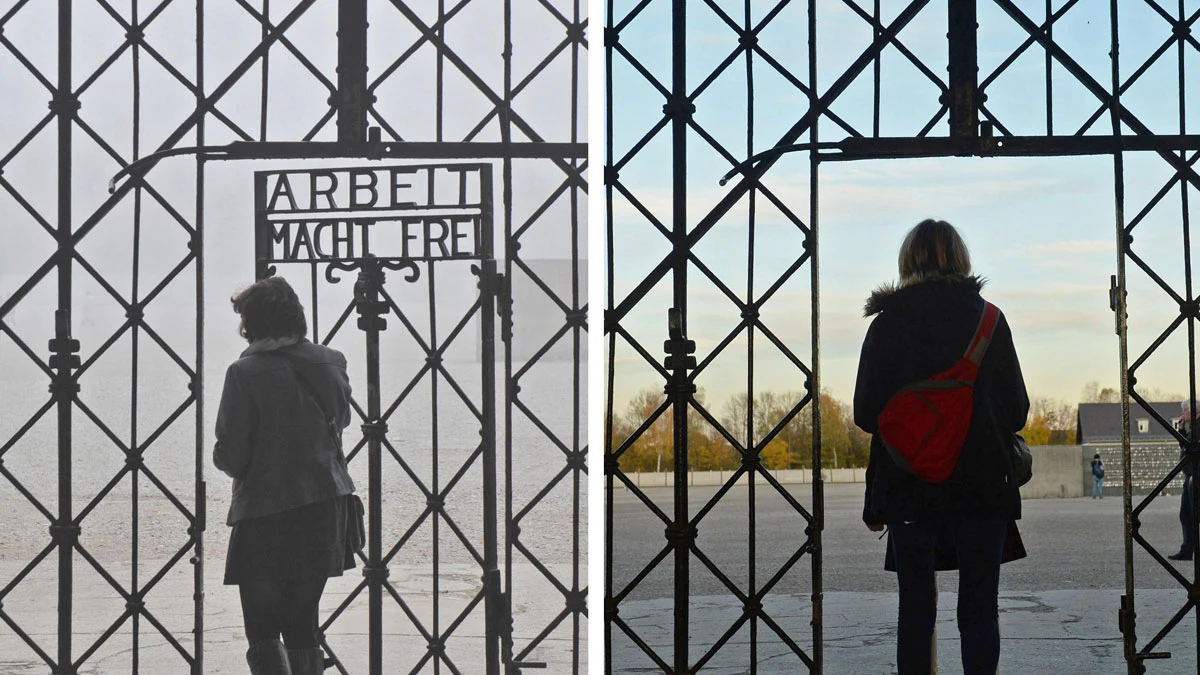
x=414, y=269
x=332, y=278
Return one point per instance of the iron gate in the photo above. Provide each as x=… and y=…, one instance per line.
x=399, y=223
x=132, y=85
x=965, y=113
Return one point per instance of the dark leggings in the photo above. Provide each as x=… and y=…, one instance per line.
x=271, y=609
x=979, y=545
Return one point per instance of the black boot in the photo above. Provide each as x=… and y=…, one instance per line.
x=307, y=661
x=268, y=658
x=1182, y=555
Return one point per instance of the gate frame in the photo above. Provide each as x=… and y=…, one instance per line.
x=352, y=102
x=969, y=136
x=372, y=310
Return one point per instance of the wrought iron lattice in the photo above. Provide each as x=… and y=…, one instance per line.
x=954, y=100
x=138, y=83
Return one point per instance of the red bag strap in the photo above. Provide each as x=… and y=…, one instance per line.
x=983, y=333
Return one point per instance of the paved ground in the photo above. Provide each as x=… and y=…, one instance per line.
x=1058, y=607
x=32, y=606
x=97, y=606
x=30, y=602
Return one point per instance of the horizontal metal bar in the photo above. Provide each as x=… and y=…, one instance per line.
x=1005, y=146
x=374, y=150
x=398, y=150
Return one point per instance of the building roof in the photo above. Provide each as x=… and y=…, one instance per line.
x=1101, y=422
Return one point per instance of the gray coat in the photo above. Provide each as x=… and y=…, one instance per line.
x=271, y=438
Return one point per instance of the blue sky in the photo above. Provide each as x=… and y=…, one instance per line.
x=1042, y=230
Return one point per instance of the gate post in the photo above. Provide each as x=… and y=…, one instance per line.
x=63, y=531
x=964, y=73
x=352, y=71
x=370, y=321
x=681, y=534
x=498, y=621
x=64, y=386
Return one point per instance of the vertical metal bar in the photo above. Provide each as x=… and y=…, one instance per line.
x=314, y=281
x=1185, y=216
x=578, y=420
x=1049, y=70
x=964, y=71
x=679, y=410
x=510, y=252
x=435, y=482
x=750, y=440
x=370, y=278
x=262, y=227
x=135, y=334
x=818, y=484
x=610, y=467
x=1128, y=615
x=877, y=68
x=264, y=84
x=352, y=71
x=487, y=318
x=440, y=75
x=198, y=379
x=62, y=333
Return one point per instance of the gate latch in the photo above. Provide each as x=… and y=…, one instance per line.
x=498, y=284
x=678, y=348
x=1114, y=303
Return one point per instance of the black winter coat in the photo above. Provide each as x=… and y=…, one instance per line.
x=920, y=330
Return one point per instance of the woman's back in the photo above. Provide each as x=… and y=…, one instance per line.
x=921, y=329
x=273, y=437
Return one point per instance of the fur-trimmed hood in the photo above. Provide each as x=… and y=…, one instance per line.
x=880, y=296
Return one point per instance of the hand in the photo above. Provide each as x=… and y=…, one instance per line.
x=875, y=527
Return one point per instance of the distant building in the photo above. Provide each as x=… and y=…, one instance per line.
x=1153, y=450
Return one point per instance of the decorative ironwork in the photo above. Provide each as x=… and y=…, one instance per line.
x=962, y=113
x=264, y=81
x=403, y=218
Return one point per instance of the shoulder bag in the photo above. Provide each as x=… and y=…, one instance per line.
x=356, y=527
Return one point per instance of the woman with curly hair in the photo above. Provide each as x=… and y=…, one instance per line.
x=278, y=435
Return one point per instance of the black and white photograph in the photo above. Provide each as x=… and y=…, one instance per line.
x=293, y=336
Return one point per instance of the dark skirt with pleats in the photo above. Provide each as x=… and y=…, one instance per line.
x=307, y=542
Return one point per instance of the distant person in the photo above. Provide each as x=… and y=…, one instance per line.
x=279, y=424
x=922, y=326
x=1186, y=516
x=1097, y=477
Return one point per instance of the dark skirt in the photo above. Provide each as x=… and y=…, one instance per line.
x=945, y=558
x=307, y=542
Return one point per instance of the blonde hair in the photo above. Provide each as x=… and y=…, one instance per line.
x=933, y=249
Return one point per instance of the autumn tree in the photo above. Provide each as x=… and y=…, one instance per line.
x=776, y=455
x=653, y=450
x=1050, y=422
x=1092, y=393
x=748, y=422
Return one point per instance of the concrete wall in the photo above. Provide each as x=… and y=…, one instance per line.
x=1057, y=472
x=787, y=477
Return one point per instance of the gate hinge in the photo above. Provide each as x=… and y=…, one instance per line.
x=1113, y=302
x=201, y=509
x=500, y=286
